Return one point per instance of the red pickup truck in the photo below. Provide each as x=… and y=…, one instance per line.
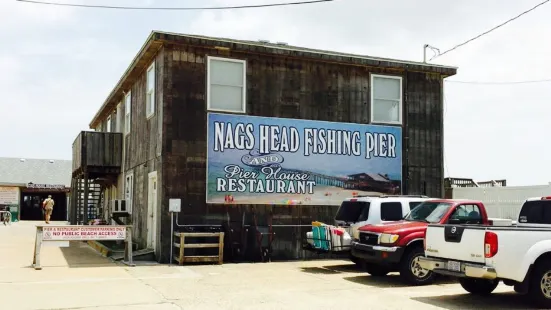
x=397, y=246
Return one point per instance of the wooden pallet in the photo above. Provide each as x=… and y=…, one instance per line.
x=181, y=258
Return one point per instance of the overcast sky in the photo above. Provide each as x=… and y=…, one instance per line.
x=58, y=65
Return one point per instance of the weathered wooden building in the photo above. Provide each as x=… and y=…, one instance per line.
x=150, y=141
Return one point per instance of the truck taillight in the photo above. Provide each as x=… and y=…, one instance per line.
x=490, y=244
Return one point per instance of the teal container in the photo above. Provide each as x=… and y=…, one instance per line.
x=319, y=234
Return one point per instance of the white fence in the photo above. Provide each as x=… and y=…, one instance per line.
x=502, y=202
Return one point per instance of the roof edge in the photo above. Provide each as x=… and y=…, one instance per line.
x=157, y=35
x=129, y=69
x=309, y=50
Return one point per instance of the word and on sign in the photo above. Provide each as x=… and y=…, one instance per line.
x=84, y=233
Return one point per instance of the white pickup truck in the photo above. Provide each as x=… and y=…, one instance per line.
x=481, y=255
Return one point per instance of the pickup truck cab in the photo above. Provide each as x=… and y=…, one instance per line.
x=358, y=211
x=481, y=256
x=397, y=246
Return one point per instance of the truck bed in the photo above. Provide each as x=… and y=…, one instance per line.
x=463, y=244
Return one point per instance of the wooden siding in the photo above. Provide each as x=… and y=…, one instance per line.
x=97, y=151
x=423, y=155
x=142, y=149
x=279, y=86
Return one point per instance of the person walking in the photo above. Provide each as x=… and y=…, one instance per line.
x=48, y=205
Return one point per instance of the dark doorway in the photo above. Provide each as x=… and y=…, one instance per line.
x=31, y=206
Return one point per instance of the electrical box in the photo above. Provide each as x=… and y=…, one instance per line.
x=175, y=205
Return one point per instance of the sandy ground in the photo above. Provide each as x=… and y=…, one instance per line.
x=323, y=195
x=78, y=278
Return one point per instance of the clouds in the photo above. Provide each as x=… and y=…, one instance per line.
x=61, y=63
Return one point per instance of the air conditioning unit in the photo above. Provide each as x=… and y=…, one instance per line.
x=120, y=206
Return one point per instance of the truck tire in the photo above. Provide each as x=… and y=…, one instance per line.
x=375, y=270
x=411, y=272
x=355, y=260
x=478, y=286
x=539, y=291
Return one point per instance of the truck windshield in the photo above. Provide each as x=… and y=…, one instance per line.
x=353, y=211
x=430, y=212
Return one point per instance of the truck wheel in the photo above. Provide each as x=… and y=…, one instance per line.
x=375, y=270
x=411, y=272
x=355, y=260
x=478, y=286
x=540, y=285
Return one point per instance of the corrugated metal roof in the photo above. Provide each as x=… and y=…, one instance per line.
x=14, y=171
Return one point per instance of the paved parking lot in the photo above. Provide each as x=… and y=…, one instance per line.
x=78, y=278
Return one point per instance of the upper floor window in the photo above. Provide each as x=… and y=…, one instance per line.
x=118, y=120
x=108, y=126
x=386, y=99
x=127, y=112
x=226, y=84
x=150, y=92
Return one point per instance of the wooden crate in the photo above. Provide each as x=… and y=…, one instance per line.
x=181, y=258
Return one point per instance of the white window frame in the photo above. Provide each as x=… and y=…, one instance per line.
x=150, y=93
x=108, y=126
x=129, y=186
x=244, y=96
x=127, y=112
x=400, y=104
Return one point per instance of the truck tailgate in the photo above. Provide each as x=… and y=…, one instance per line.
x=462, y=243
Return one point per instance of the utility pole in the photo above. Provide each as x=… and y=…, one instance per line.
x=434, y=49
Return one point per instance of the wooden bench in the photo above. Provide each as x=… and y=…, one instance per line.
x=181, y=258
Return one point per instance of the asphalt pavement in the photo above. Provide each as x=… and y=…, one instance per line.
x=79, y=278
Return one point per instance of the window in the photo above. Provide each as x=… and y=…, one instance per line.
x=108, y=126
x=226, y=84
x=391, y=211
x=351, y=211
x=466, y=213
x=118, y=121
x=127, y=112
x=535, y=212
x=431, y=212
x=413, y=204
x=129, y=190
x=386, y=99
x=150, y=92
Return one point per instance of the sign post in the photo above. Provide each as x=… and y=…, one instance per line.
x=57, y=233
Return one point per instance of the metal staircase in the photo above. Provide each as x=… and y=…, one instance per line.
x=95, y=201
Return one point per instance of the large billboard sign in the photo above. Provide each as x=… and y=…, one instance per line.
x=267, y=160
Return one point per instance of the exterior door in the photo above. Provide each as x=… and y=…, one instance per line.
x=152, y=211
